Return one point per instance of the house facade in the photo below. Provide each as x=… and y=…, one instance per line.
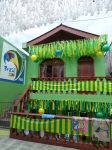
x=66, y=78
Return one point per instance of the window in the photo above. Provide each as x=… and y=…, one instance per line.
x=85, y=67
x=52, y=68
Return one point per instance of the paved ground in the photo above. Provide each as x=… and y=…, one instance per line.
x=11, y=144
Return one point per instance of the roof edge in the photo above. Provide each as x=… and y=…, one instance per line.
x=61, y=26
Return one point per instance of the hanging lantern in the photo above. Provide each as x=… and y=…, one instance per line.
x=99, y=54
x=58, y=53
x=41, y=111
x=34, y=58
x=105, y=48
x=99, y=115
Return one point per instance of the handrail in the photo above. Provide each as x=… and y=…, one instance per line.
x=56, y=116
x=22, y=97
x=72, y=78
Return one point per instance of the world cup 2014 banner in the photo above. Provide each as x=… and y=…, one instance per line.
x=12, y=64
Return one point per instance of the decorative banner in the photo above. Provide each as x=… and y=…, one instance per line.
x=72, y=48
x=73, y=85
x=100, y=130
x=80, y=124
x=12, y=64
x=59, y=126
x=71, y=105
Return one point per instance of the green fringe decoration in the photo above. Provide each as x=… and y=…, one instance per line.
x=76, y=48
x=65, y=106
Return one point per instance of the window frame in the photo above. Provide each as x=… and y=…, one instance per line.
x=55, y=63
x=85, y=62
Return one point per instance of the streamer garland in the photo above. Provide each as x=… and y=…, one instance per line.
x=76, y=48
x=57, y=126
x=96, y=86
x=65, y=106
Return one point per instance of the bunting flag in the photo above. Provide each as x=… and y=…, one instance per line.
x=63, y=86
x=97, y=128
x=70, y=48
x=59, y=126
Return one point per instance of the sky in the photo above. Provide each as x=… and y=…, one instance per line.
x=97, y=24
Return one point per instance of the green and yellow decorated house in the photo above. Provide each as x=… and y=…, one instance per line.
x=68, y=99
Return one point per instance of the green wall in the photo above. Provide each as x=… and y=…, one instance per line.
x=32, y=70
x=70, y=67
x=100, y=66
x=9, y=91
x=76, y=97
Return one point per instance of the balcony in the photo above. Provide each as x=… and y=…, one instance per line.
x=73, y=85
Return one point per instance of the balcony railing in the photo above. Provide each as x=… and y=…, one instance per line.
x=93, y=85
x=62, y=131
